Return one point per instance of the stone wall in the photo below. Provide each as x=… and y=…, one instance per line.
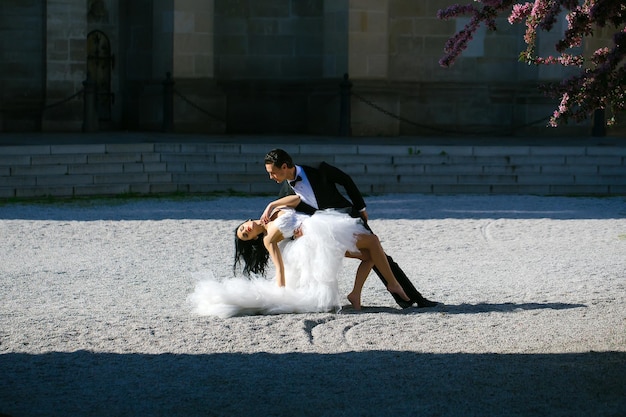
x=266, y=66
x=486, y=91
x=193, y=33
x=280, y=40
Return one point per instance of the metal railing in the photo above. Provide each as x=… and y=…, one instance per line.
x=347, y=93
x=169, y=92
x=42, y=109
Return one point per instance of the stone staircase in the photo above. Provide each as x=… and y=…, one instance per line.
x=74, y=170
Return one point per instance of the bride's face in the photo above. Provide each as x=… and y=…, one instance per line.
x=249, y=230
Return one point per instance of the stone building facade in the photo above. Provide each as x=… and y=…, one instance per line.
x=263, y=66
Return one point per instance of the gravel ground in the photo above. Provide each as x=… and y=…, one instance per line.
x=94, y=319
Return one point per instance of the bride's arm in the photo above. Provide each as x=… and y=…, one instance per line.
x=270, y=240
x=287, y=201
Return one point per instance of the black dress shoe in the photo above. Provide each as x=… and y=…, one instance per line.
x=424, y=302
x=404, y=304
x=401, y=302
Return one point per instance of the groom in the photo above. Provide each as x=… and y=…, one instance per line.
x=317, y=188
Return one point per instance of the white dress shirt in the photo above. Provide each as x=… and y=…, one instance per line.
x=303, y=188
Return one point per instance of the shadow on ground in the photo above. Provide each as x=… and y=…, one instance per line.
x=406, y=206
x=464, y=308
x=371, y=383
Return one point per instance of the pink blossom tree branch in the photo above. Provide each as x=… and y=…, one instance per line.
x=601, y=83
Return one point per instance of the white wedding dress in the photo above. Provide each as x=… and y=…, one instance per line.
x=312, y=263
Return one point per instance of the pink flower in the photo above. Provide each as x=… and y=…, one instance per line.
x=520, y=12
x=601, y=84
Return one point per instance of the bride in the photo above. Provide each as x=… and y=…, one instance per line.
x=307, y=253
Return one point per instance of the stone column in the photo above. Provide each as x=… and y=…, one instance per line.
x=163, y=15
x=66, y=32
x=368, y=39
x=22, y=64
x=335, y=38
x=193, y=27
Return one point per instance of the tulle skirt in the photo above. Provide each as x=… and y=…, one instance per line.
x=312, y=265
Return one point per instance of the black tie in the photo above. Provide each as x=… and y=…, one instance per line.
x=293, y=183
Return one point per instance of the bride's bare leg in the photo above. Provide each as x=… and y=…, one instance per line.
x=371, y=243
x=362, y=273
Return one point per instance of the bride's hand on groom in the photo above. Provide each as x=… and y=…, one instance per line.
x=265, y=217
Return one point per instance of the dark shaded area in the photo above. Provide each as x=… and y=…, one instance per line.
x=398, y=206
x=370, y=383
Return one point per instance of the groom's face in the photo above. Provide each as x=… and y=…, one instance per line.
x=278, y=174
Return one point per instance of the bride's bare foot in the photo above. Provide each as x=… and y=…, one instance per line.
x=355, y=300
x=397, y=289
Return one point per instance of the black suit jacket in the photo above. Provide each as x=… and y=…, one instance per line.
x=324, y=181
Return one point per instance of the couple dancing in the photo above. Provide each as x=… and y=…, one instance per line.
x=306, y=233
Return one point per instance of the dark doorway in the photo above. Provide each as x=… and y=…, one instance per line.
x=100, y=64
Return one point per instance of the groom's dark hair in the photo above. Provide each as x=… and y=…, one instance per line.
x=278, y=157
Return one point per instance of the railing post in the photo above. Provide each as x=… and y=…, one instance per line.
x=90, y=110
x=168, y=103
x=599, y=124
x=345, y=91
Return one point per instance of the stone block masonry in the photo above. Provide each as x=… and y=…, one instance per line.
x=72, y=170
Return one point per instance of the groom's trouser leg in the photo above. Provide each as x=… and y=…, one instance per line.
x=404, y=282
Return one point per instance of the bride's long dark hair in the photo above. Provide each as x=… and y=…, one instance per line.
x=252, y=254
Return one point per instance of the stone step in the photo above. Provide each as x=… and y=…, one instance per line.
x=147, y=168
